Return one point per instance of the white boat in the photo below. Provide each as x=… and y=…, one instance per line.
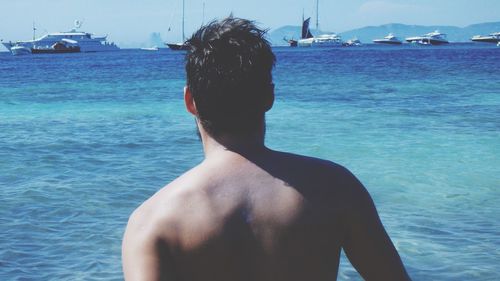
x=354, y=42
x=86, y=41
x=20, y=50
x=324, y=40
x=433, y=38
x=389, y=39
x=498, y=44
x=492, y=38
x=154, y=48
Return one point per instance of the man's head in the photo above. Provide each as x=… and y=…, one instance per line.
x=229, y=76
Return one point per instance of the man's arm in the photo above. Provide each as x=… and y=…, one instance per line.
x=367, y=244
x=144, y=254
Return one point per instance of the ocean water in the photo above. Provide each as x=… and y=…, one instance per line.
x=85, y=138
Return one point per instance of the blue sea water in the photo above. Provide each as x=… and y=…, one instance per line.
x=85, y=138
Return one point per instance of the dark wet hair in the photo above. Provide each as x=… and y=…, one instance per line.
x=229, y=73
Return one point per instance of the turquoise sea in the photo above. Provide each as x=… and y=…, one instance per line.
x=85, y=138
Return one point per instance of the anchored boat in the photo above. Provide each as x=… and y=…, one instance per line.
x=433, y=38
x=492, y=38
x=86, y=41
x=390, y=39
x=181, y=46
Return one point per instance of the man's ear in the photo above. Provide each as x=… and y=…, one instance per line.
x=189, y=102
x=269, y=98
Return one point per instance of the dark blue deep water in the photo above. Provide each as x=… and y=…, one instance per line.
x=85, y=138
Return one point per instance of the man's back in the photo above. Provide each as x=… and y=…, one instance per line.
x=258, y=216
x=246, y=212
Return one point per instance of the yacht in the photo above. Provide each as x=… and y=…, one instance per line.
x=433, y=38
x=324, y=40
x=389, y=39
x=86, y=41
x=492, y=38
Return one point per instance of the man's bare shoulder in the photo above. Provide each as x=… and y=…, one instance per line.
x=311, y=171
x=155, y=226
x=181, y=209
x=168, y=202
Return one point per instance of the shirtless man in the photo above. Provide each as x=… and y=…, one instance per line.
x=248, y=212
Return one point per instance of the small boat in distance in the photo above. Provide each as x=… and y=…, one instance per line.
x=181, y=46
x=154, y=48
x=433, y=38
x=492, y=38
x=390, y=39
x=354, y=42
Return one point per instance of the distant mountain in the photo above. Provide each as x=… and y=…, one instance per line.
x=367, y=34
x=155, y=39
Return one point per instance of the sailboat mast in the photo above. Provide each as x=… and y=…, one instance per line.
x=203, y=18
x=34, y=31
x=317, y=14
x=183, y=36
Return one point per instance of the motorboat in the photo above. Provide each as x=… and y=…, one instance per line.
x=433, y=38
x=19, y=50
x=154, y=48
x=86, y=41
x=498, y=44
x=390, y=39
x=63, y=47
x=354, y=42
x=492, y=38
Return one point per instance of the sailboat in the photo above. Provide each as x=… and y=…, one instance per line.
x=306, y=33
x=182, y=46
x=323, y=40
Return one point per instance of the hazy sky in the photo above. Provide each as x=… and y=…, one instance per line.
x=129, y=21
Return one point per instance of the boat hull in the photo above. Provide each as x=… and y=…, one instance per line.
x=486, y=40
x=177, y=46
x=427, y=41
x=315, y=42
x=55, y=51
x=85, y=46
x=387, y=42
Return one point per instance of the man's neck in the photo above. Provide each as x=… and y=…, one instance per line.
x=243, y=145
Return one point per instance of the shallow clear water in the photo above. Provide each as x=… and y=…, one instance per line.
x=85, y=138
